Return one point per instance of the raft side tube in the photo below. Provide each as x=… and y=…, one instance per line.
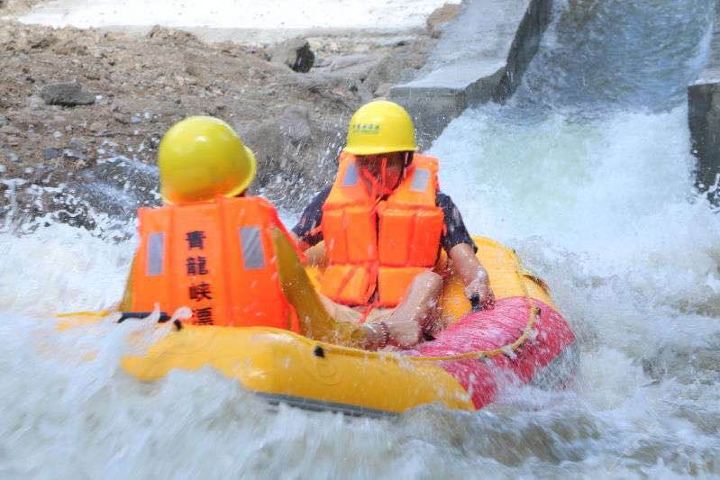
x=278, y=362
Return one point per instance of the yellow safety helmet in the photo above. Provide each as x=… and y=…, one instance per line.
x=202, y=157
x=380, y=127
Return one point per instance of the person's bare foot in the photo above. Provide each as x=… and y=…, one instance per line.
x=405, y=331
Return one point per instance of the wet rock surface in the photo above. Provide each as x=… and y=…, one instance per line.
x=89, y=161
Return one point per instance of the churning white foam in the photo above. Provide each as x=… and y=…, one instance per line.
x=617, y=193
x=605, y=210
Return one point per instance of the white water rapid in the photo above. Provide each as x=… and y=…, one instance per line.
x=586, y=172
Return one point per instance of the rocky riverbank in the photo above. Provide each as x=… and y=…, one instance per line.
x=86, y=148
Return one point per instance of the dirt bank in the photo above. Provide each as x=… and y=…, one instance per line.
x=79, y=162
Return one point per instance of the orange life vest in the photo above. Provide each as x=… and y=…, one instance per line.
x=380, y=246
x=216, y=258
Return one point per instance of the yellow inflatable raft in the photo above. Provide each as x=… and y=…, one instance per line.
x=522, y=334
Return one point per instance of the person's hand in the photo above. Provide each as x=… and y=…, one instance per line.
x=479, y=290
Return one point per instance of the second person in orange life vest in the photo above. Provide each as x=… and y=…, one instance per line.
x=383, y=222
x=209, y=248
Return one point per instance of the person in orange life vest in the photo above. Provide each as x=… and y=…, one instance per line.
x=207, y=225
x=383, y=222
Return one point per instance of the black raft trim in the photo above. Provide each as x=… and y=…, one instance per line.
x=323, y=406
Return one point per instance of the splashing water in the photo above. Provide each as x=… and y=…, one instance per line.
x=602, y=203
x=599, y=204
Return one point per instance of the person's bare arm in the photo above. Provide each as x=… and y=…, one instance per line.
x=308, y=232
x=473, y=274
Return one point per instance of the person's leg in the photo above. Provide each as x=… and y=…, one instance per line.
x=418, y=310
x=341, y=313
x=352, y=332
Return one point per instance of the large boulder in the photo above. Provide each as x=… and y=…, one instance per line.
x=295, y=53
x=279, y=141
x=704, y=122
x=296, y=154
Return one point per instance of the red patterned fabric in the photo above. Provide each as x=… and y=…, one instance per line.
x=492, y=329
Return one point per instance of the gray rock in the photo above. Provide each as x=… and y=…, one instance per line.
x=525, y=46
x=50, y=153
x=66, y=94
x=4, y=121
x=382, y=90
x=704, y=121
x=295, y=123
x=296, y=151
x=10, y=130
x=35, y=102
x=295, y=53
x=73, y=154
x=491, y=74
x=119, y=186
x=12, y=156
x=279, y=141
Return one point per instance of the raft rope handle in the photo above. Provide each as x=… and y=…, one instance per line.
x=512, y=347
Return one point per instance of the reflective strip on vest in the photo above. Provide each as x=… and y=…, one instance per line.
x=252, y=248
x=155, y=254
x=351, y=176
x=420, y=181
